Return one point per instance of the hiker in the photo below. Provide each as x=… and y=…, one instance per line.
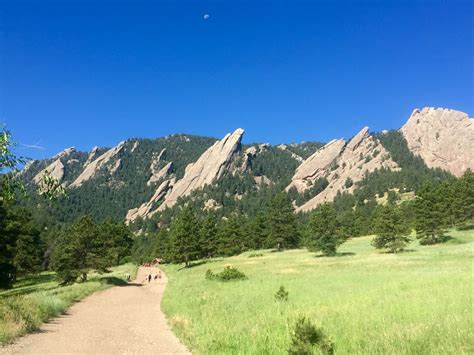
x=149, y=278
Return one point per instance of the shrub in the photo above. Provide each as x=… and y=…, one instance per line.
x=281, y=294
x=228, y=274
x=307, y=338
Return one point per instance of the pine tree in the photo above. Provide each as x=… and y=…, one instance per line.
x=325, y=233
x=184, y=233
x=230, y=237
x=282, y=226
x=208, y=236
x=429, y=215
x=390, y=229
x=79, y=248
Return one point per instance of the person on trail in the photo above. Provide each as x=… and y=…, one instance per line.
x=149, y=278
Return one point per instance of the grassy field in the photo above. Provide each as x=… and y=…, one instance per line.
x=35, y=299
x=369, y=302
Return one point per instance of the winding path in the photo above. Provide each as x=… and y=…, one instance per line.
x=119, y=320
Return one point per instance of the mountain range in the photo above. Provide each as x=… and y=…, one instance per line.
x=141, y=178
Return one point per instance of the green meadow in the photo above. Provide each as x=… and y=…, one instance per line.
x=367, y=301
x=35, y=299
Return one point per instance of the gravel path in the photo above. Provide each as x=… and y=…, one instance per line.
x=119, y=320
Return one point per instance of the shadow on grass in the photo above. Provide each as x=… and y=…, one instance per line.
x=116, y=281
x=440, y=240
x=200, y=262
x=466, y=227
x=20, y=291
x=347, y=253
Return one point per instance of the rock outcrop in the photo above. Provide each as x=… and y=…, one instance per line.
x=146, y=209
x=95, y=165
x=340, y=161
x=56, y=168
x=157, y=170
x=210, y=166
x=443, y=138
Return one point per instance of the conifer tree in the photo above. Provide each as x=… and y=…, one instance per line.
x=208, y=236
x=429, y=215
x=325, y=233
x=282, y=226
x=184, y=233
x=390, y=229
x=230, y=237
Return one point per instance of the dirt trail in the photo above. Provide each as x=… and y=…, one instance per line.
x=119, y=320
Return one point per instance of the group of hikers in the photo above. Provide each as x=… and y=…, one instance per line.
x=153, y=277
x=148, y=277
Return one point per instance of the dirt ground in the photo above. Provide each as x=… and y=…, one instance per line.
x=119, y=320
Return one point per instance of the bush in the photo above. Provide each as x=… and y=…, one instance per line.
x=230, y=273
x=307, y=339
x=255, y=255
x=281, y=294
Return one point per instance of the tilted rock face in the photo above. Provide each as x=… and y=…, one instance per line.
x=145, y=210
x=92, y=155
x=158, y=173
x=211, y=165
x=443, y=138
x=93, y=167
x=56, y=168
x=316, y=165
x=163, y=172
x=337, y=161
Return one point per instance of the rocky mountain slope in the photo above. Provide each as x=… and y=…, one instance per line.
x=139, y=178
x=342, y=164
x=444, y=138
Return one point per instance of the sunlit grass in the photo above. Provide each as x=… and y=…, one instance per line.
x=369, y=302
x=35, y=299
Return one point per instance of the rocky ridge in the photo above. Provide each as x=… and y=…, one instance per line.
x=340, y=162
x=444, y=138
x=92, y=166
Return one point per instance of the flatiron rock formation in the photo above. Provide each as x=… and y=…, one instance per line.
x=444, y=138
x=340, y=161
x=211, y=165
x=94, y=166
x=56, y=168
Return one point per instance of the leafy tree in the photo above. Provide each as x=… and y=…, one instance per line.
x=390, y=229
x=282, y=226
x=325, y=233
x=184, y=234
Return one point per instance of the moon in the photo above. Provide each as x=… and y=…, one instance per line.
x=206, y=16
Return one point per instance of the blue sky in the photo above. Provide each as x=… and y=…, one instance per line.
x=86, y=73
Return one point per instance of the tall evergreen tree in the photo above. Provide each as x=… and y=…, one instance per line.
x=390, y=228
x=185, y=235
x=429, y=215
x=79, y=249
x=208, y=236
x=325, y=233
x=282, y=226
x=230, y=237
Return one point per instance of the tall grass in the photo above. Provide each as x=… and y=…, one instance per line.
x=368, y=302
x=35, y=299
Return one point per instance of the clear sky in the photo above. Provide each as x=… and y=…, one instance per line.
x=86, y=73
